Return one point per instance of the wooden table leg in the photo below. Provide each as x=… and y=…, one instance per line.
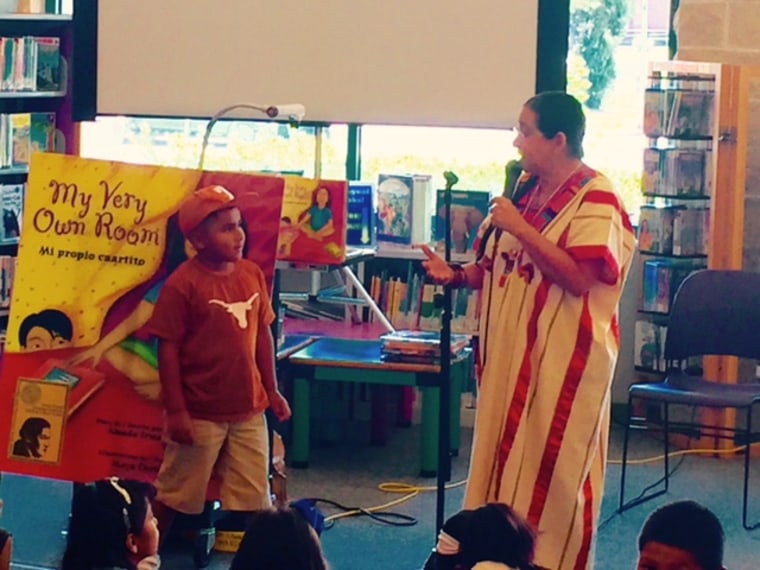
x=431, y=401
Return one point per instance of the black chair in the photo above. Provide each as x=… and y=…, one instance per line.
x=714, y=313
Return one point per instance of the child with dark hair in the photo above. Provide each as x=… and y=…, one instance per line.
x=277, y=539
x=491, y=536
x=682, y=535
x=46, y=330
x=216, y=366
x=112, y=527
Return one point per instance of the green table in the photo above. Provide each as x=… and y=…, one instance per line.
x=358, y=361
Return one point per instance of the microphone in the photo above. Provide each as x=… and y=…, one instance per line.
x=294, y=112
x=512, y=171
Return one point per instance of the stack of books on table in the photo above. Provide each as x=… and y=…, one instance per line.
x=419, y=347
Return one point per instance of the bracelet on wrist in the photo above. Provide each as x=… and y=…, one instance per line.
x=459, y=279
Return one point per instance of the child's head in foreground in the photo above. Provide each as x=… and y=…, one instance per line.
x=682, y=535
x=111, y=526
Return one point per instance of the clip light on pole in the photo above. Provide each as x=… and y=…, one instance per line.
x=291, y=112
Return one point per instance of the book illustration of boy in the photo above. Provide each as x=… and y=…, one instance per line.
x=133, y=356
x=216, y=366
x=317, y=220
x=47, y=330
x=33, y=438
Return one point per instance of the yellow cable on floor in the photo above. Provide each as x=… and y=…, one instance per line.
x=676, y=454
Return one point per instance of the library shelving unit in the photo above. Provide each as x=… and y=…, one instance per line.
x=696, y=123
x=35, y=114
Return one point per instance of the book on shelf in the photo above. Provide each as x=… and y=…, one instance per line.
x=48, y=69
x=679, y=110
x=661, y=279
x=42, y=132
x=404, y=208
x=361, y=221
x=468, y=209
x=12, y=203
x=647, y=345
x=313, y=221
x=677, y=172
x=7, y=273
x=655, y=234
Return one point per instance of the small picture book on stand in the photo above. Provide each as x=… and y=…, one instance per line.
x=468, y=209
x=313, y=221
x=404, y=208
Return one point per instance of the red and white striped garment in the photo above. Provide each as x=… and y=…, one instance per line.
x=548, y=357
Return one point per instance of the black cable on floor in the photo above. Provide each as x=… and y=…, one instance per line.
x=384, y=517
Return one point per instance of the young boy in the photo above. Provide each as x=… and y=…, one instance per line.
x=681, y=536
x=216, y=366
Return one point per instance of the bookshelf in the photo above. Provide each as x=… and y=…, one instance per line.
x=694, y=176
x=35, y=115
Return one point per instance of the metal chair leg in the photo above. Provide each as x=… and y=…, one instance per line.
x=666, y=432
x=629, y=410
x=747, y=454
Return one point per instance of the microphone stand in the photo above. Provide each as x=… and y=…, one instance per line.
x=444, y=379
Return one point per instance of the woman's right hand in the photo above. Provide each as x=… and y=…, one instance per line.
x=436, y=267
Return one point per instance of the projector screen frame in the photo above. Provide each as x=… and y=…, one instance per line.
x=551, y=56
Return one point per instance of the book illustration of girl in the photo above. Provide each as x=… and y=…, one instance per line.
x=317, y=220
x=135, y=356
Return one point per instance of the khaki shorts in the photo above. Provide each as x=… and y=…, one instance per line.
x=237, y=452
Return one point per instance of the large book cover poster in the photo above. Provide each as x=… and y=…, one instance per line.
x=99, y=240
x=313, y=221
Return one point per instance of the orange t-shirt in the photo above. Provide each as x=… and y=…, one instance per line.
x=215, y=320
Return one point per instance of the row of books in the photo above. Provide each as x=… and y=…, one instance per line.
x=679, y=111
x=410, y=303
x=30, y=63
x=419, y=347
x=677, y=172
x=24, y=133
x=661, y=279
x=7, y=274
x=674, y=230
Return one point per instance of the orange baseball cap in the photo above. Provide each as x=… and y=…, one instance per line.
x=201, y=204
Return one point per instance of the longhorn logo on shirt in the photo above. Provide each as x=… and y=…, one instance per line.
x=239, y=310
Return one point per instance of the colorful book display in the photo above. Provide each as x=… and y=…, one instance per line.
x=404, y=208
x=361, y=230
x=313, y=221
x=468, y=209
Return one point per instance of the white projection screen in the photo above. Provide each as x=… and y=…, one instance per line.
x=407, y=62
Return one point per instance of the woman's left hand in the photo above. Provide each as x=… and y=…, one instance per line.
x=505, y=216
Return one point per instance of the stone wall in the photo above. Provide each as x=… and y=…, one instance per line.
x=728, y=31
